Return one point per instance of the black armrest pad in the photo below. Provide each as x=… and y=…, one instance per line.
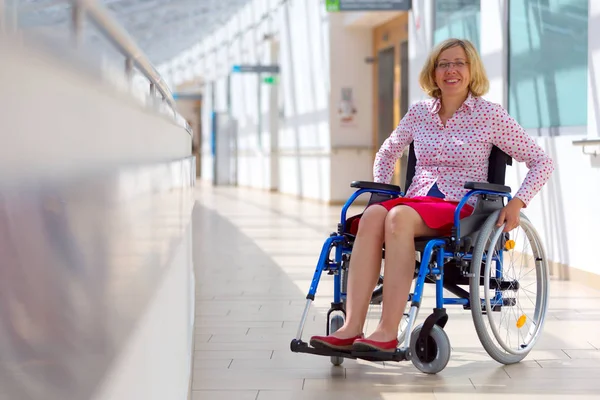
x=487, y=186
x=375, y=185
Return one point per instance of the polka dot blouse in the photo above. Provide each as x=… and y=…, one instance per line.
x=458, y=152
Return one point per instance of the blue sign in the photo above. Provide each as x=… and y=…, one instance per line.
x=256, y=69
x=187, y=96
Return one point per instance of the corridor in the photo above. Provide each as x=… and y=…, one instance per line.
x=169, y=169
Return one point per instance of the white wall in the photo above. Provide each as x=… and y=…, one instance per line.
x=59, y=120
x=565, y=212
x=351, y=143
x=155, y=364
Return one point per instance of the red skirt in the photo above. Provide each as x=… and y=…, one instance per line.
x=437, y=213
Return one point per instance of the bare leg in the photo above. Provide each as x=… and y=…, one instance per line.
x=402, y=225
x=365, y=266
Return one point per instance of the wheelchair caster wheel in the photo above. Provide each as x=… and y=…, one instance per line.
x=337, y=321
x=433, y=355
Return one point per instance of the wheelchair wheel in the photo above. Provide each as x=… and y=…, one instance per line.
x=433, y=356
x=513, y=276
x=336, y=322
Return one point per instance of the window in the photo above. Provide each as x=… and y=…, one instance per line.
x=457, y=19
x=548, y=46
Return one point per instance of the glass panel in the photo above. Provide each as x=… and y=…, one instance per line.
x=404, y=83
x=457, y=19
x=385, y=88
x=548, y=49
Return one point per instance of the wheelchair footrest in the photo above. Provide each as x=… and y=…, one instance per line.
x=376, y=356
x=299, y=346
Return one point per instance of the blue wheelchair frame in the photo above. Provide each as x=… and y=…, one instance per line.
x=426, y=268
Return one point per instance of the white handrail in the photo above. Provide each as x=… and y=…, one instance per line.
x=100, y=16
x=109, y=27
x=588, y=142
x=134, y=56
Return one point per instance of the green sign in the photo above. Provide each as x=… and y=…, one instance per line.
x=332, y=5
x=368, y=5
x=270, y=80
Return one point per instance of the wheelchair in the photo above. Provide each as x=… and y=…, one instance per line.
x=476, y=254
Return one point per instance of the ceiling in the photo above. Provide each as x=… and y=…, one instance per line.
x=162, y=28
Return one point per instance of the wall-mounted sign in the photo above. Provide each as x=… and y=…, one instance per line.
x=368, y=5
x=267, y=69
x=347, y=108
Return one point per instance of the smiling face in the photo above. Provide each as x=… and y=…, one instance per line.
x=452, y=73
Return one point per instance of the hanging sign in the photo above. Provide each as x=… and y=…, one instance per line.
x=368, y=5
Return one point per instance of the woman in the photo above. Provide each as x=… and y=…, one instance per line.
x=453, y=135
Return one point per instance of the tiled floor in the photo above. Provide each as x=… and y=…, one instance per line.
x=254, y=256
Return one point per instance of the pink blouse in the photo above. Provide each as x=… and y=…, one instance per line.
x=458, y=152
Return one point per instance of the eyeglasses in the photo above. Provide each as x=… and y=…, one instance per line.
x=447, y=65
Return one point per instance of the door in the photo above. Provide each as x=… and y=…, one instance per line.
x=390, y=86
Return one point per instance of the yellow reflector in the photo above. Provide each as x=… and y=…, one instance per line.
x=510, y=244
x=521, y=321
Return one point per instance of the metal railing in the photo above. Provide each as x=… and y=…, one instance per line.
x=592, y=142
x=135, y=59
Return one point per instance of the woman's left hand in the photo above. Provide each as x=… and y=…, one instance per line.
x=511, y=214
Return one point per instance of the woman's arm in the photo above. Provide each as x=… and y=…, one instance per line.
x=511, y=138
x=392, y=148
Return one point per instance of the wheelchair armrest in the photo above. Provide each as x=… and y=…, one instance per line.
x=492, y=187
x=375, y=185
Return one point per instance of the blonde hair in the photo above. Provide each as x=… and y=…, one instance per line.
x=479, y=84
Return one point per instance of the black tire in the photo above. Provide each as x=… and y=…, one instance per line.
x=439, y=344
x=336, y=322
